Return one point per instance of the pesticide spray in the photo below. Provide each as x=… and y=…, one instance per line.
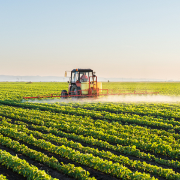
x=115, y=98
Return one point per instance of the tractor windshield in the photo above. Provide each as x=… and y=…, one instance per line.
x=84, y=76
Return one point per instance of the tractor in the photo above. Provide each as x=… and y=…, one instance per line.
x=83, y=82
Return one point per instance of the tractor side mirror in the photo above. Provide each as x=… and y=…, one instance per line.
x=68, y=82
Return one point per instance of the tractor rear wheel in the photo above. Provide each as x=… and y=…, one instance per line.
x=64, y=93
x=75, y=90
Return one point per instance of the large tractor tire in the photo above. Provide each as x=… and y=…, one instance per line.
x=64, y=93
x=75, y=91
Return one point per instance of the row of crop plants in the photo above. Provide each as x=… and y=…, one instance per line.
x=164, y=110
x=167, y=173
x=69, y=169
x=147, y=120
x=22, y=167
x=112, y=132
x=163, y=88
x=2, y=177
x=88, y=159
x=125, y=118
x=36, y=116
x=128, y=150
x=142, y=166
x=18, y=90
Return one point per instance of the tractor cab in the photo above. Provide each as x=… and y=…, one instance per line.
x=83, y=82
x=80, y=80
x=80, y=75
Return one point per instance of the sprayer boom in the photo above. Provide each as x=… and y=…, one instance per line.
x=99, y=92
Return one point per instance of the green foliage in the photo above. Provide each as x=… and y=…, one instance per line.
x=2, y=177
x=144, y=130
x=68, y=169
x=164, y=88
x=22, y=167
x=16, y=90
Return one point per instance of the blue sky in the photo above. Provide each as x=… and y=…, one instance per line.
x=124, y=39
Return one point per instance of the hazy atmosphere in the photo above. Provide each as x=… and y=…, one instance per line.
x=117, y=39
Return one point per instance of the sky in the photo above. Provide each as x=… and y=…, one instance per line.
x=117, y=39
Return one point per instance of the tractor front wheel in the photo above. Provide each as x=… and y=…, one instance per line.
x=64, y=94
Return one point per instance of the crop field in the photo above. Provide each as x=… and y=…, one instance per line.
x=97, y=140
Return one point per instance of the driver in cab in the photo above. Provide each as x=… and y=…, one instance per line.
x=84, y=78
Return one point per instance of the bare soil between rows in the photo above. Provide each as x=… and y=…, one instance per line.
x=10, y=175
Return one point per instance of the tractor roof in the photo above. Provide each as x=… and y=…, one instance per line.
x=83, y=70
